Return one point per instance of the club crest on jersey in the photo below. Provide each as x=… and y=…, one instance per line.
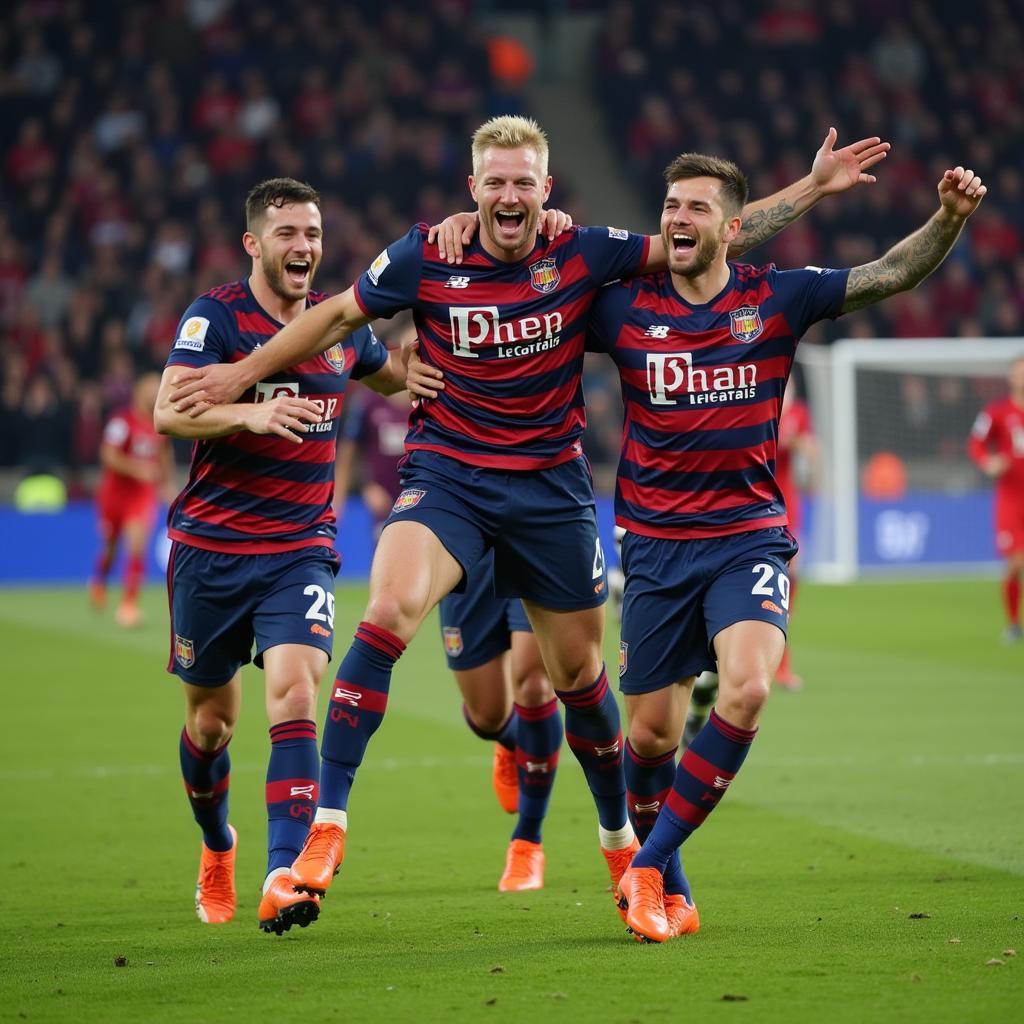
x=409, y=498
x=184, y=651
x=623, y=657
x=335, y=355
x=452, y=641
x=745, y=323
x=544, y=276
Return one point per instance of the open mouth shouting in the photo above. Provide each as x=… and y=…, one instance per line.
x=682, y=243
x=298, y=271
x=509, y=223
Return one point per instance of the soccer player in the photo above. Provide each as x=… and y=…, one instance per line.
x=997, y=446
x=496, y=461
x=253, y=557
x=136, y=462
x=796, y=442
x=704, y=352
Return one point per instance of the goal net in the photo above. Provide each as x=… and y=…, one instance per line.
x=894, y=490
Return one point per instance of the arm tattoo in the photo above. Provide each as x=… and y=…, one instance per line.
x=759, y=225
x=903, y=267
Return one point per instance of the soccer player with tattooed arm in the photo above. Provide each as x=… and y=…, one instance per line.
x=496, y=462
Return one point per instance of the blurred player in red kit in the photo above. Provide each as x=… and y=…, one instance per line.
x=136, y=462
x=997, y=446
x=797, y=453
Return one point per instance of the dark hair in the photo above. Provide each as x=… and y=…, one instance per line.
x=275, y=192
x=699, y=165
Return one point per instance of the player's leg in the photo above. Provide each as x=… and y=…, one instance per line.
x=538, y=742
x=136, y=535
x=411, y=571
x=1011, y=596
x=109, y=531
x=702, y=699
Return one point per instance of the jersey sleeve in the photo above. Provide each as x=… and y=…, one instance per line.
x=391, y=282
x=611, y=253
x=206, y=334
x=981, y=434
x=371, y=353
x=810, y=295
x=607, y=315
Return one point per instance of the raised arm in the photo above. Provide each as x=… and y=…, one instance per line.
x=312, y=332
x=833, y=170
x=910, y=261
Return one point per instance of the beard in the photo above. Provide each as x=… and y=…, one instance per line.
x=703, y=256
x=274, y=273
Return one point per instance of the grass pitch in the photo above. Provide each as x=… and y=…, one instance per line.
x=866, y=865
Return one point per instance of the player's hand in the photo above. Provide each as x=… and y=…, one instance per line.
x=452, y=234
x=288, y=417
x=551, y=223
x=377, y=500
x=996, y=465
x=422, y=380
x=836, y=170
x=196, y=389
x=961, y=191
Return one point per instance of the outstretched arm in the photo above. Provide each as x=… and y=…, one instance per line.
x=910, y=261
x=315, y=330
x=833, y=170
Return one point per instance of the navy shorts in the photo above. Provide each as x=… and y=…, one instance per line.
x=222, y=604
x=681, y=593
x=476, y=625
x=541, y=525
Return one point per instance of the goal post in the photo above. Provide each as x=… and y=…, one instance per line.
x=895, y=492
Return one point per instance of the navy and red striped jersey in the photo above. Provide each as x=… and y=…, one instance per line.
x=702, y=387
x=258, y=493
x=508, y=336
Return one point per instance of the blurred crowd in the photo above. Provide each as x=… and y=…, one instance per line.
x=130, y=132
x=760, y=83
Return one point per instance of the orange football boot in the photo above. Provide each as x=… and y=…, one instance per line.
x=320, y=859
x=215, y=888
x=505, y=778
x=682, y=916
x=282, y=906
x=128, y=615
x=98, y=595
x=524, y=867
x=618, y=860
x=641, y=893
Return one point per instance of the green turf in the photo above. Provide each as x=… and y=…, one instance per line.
x=892, y=786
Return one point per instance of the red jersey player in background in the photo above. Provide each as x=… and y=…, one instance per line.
x=997, y=446
x=136, y=462
x=797, y=452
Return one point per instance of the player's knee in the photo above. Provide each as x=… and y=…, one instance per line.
x=742, y=700
x=293, y=703
x=397, y=613
x=209, y=727
x=533, y=688
x=651, y=738
x=488, y=719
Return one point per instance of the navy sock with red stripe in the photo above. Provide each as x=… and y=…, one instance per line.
x=709, y=764
x=506, y=735
x=356, y=708
x=593, y=734
x=648, y=784
x=207, y=775
x=539, y=738
x=292, y=789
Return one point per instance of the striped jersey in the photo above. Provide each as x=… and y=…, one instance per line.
x=509, y=338
x=702, y=387
x=259, y=493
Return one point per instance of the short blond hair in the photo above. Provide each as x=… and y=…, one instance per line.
x=510, y=132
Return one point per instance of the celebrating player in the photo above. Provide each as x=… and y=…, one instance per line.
x=136, y=462
x=704, y=353
x=997, y=446
x=253, y=556
x=496, y=461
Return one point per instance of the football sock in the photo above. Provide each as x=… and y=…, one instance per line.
x=292, y=789
x=133, y=574
x=103, y=564
x=593, y=734
x=538, y=739
x=648, y=784
x=707, y=767
x=1011, y=598
x=356, y=708
x=207, y=775
x=506, y=735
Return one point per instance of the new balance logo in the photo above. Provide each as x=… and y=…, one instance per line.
x=537, y=767
x=352, y=697
x=457, y=282
x=721, y=783
x=656, y=331
x=304, y=791
x=605, y=751
x=196, y=795
x=651, y=808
